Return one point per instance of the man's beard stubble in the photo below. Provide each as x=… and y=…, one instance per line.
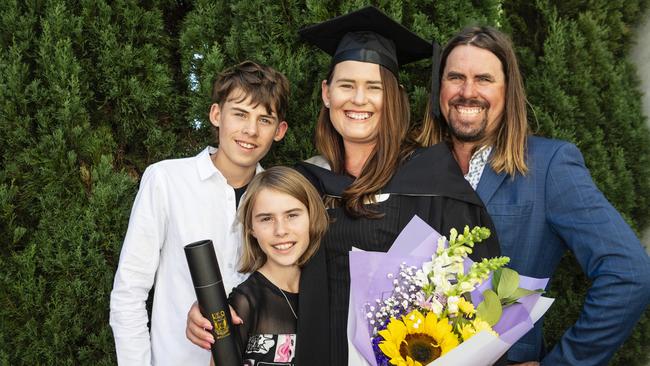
x=474, y=134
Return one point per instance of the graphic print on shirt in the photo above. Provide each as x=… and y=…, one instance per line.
x=271, y=350
x=286, y=348
x=260, y=343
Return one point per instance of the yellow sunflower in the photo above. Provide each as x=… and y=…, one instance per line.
x=416, y=340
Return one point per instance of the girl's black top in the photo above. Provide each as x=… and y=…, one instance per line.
x=268, y=335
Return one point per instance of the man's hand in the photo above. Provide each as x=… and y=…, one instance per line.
x=198, y=328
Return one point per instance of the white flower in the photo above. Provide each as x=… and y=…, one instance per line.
x=443, y=259
x=465, y=287
x=452, y=305
x=440, y=281
x=427, y=267
x=420, y=279
x=436, y=306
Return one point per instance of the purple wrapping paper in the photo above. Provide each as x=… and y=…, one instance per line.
x=415, y=245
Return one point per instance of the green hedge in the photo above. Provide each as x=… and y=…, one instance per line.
x=93, y=91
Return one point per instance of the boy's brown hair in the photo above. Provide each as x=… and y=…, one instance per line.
x=285, y=180
x=263, y=84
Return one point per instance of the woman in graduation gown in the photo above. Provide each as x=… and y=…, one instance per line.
x=373, y=180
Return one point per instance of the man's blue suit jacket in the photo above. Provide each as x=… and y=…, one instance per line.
x=556, y=207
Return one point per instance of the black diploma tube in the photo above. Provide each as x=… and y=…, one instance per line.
x=213, y=302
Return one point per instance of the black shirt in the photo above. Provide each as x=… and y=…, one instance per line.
x=239, y=192
x=268, y=335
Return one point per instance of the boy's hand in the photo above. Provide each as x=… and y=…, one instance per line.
x=198, y=328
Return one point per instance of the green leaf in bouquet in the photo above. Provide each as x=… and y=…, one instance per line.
x=496, y=278
x=490, y=309
x=522, y=292
x=508, y=282
x=518, y=294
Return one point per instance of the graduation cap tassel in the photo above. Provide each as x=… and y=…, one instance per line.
x=435, y=81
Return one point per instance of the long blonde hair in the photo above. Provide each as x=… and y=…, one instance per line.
x=509, y=138
x=288, y=181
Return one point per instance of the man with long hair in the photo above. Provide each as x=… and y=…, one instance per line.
x=541, y=198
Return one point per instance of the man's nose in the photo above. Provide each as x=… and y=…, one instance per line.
x=468, y=90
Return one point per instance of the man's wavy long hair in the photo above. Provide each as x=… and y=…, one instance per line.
x=509, y=138
x=386, y=156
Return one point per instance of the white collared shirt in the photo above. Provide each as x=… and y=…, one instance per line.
x=477, y=165
x=180, y=201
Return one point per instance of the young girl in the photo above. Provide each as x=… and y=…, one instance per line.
x=283, y=220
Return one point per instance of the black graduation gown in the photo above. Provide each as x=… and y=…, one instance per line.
x=429, y=184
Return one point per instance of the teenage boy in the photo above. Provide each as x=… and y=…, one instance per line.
x=185, y=200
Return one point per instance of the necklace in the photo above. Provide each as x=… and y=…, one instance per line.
x=283, y=294
x=288, y=303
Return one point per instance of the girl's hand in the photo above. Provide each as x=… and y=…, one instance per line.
x=198, y=328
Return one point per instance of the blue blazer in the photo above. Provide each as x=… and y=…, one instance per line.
x=554, y=208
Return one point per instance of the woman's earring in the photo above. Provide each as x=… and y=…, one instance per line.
x=327, y=104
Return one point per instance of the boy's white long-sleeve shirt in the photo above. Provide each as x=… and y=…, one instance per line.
x=180, y=201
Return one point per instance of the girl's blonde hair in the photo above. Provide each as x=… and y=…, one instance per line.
x=288, y=181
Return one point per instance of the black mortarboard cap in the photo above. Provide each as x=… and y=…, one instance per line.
x=367, y=35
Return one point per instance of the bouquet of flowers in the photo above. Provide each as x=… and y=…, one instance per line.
x=424, y=302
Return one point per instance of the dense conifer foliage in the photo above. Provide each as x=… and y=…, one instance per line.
x=91, y=92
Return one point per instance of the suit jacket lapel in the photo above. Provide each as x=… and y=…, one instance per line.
x=489, y=183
